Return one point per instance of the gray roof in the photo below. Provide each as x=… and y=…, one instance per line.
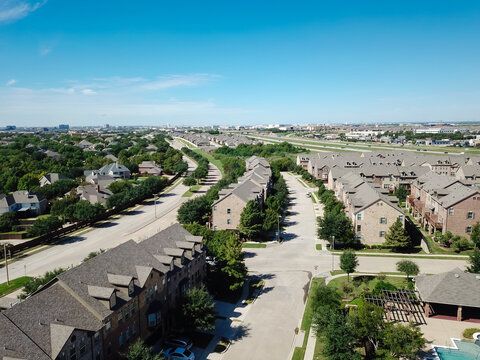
x=20, y=197
x=52, y=306
x=52, y=177
x=454, y=287
x=113, y=168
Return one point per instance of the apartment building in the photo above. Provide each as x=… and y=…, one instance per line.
x=370, y=208
x=95, y=310
x=442, y=203
x=255, y=185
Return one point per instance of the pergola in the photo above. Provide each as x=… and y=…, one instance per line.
x=400, y=305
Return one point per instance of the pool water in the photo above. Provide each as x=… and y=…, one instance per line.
x=466, y=351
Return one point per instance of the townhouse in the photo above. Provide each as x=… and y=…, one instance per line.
x=95, y=310
x=255, y=185
x=369, y=207
x=442, y=203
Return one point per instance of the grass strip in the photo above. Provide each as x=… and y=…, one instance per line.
x=14, y=285
x=254, y=245
x=192, y=190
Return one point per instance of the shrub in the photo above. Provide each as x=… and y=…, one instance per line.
x=383, y=285
x=468, y=333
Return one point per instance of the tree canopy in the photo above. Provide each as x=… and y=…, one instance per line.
x=348, y=262
x=408, y=267
x=397, y=237
x=198, y=309
x=251, y=220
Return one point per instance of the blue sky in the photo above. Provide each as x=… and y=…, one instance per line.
x=154, y=62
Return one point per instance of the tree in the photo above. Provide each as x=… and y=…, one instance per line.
x=408, y=267
x=35, y=283
x=139, y=351
x=398, y=237
x=198, y=309
x=195, y=210
x=367, y=320
x=84, y=210
x=233, y=265
x=475, y=234
x=271, y=220
x=401, y=193
x=339, y=338
x=8, y=220
x=251, y=220
x=403, y=341
x=119, y=186
x=189, y=181
x=45, y=225
x=27, y=182
x=326, y=296
x=348, y=262
x=338, y=225
x=474, y=261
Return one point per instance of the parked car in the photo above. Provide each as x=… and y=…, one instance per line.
x=178, y=341
x=179, y=354
x=307, y=195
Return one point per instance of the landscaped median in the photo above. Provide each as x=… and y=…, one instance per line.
x=253, y=245
x=388, y=253
x=192, y=190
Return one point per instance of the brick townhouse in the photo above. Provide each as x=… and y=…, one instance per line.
x=95, y=310
x=442, y=203
x=370, y=209
x=255, y=185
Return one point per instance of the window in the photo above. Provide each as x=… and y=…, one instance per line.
x=383, y=220
x=359, y=228
x=214, y=207
x=134, y=329
x=82, y=346
x=130, y=288
x=127, y=313
x=382, y=234
x=156, y=288
x=120, y=317
x=229, y=221
x=127, y=334
x=73, y=353
x=229, y=211
x=468, y=230
x=470, y=215
x=359, y=216
x=386, y=186
x=108, y=327
x=451, y=211
x=215, y=228
x=132, y=308
x=151, y=320
x=159, y=317
x=400, y=218
x=120, y=339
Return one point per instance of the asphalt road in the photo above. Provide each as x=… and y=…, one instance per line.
x=136, y=224
x=287, y=269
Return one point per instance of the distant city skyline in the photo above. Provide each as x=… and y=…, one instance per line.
x=238, y=63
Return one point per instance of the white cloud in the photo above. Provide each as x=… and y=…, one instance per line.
x=44, y=50
x=11, y=10
x=87, y=92
x=11, y=82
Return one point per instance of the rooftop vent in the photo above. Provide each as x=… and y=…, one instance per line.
x=477, y=277
x=457, y=275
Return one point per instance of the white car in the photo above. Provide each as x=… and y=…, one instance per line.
x=179, y=354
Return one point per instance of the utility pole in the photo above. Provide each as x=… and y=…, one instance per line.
x=155, y=205
x=6, y=261
x=333, y=248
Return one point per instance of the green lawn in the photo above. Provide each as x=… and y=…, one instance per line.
x=256, y=245
x=313, y=198
x=192, y=190
x=186, y=143
x=361, y=283
x=14, y=285
x=416, y=250
x=318, y=246
x=210, y=158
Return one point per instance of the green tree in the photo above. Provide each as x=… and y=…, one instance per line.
x=367, y=320
x=339, y=338
x=326, y=296
x=233, y=265
x=474, y=260
x=8, y=220
x=198, y=309
x=119, y=186
x=251, y=220
x=271, y=220
x=195, y=210
x=27, y=182
x=408, y=267
x=84, y=210
x=398, y=237
x=403, y=341
x=348, y=262
x=139, y=351
x=401, y=193
x=35, y=283
x=189, y=181
x=338, y=225
x=45, y=225
x=475, y=234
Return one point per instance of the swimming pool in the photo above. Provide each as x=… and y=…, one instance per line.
x=464, y=351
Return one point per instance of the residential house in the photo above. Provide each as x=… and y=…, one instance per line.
x=149, y=168
x=93, y=193
x=443, y=203
x=50, y=178
x=24, y=202
x=114, y=170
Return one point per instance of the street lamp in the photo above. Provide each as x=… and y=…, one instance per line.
x=332, y=246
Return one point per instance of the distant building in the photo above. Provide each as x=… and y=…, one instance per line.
x=63, y=127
